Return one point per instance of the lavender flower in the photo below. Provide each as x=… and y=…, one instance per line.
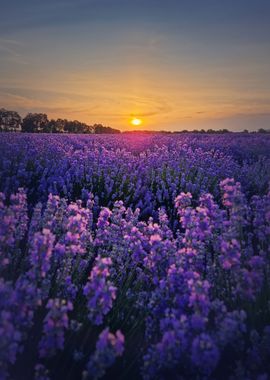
x=54, y=326
x=99, y=291
x=108, y=348
x=41, y=252
x=205, y=354
x=41, y=372
x=230, y=254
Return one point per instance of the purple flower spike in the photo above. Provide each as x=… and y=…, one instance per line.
x=99, y=291
x=109, y=346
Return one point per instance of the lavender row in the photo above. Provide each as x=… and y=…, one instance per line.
x=145, y=172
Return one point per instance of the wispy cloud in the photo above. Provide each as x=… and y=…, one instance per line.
x=12, y=50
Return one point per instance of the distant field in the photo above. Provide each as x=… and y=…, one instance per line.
x=134, y=256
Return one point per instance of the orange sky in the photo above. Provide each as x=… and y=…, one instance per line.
x=171, y=65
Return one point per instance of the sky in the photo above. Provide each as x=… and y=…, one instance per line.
x=175, y=64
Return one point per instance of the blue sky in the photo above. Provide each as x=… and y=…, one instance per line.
x=175, y=64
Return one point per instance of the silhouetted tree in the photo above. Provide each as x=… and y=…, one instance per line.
x=261, y=130
x=99, y=128
x=10, y=121
x=35, y=122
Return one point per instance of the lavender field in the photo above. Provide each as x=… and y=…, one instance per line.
x=135, y=257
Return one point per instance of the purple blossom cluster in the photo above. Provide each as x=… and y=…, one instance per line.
x=54, y=325
x=144, y=257
x=109, y=346
x=99, y=291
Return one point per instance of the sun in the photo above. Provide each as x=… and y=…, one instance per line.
x=135, y=121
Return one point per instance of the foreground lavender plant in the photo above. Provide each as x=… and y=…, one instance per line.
x=108, y=348
x=99, y=291
x=54, y=326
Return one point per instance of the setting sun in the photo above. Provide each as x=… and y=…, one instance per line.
x=136, y=121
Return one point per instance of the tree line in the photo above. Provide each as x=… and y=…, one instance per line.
x=11, y=121
x=198, y=131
